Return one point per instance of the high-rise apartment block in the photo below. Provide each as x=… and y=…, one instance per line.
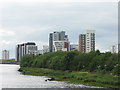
x=56, y=38
x=90, y=40
x=5, y=55
x=82, y=43
x=25, y=48
x=87, y=41
x=119, y=48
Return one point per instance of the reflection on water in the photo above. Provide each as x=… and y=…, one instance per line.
x=13, y=79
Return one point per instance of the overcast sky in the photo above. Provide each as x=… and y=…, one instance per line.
x=34, y=20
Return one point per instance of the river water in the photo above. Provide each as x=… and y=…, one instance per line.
x=11, y=78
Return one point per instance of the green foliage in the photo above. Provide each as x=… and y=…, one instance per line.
x=27, y=60
x=105, y=63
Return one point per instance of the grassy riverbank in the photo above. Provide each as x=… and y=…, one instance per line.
x=86, y=78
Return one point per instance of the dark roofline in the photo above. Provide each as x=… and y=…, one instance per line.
x=30, y=43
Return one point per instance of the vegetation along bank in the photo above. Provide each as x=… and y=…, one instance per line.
x=94, y=68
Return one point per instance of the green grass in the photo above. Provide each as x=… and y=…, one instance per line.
x=86, y=78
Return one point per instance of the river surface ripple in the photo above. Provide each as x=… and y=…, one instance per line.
x=11, y=78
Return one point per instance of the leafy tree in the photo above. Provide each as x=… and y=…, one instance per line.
x=27, y=60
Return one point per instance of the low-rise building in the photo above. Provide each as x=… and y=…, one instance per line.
x=45, y=49
x=114, y=48
x=60, y=45
x=73, y=46
x=42, y=51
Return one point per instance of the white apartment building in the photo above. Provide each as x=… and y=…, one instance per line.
x=90, y=40
x=5, y=55
x=60, y=45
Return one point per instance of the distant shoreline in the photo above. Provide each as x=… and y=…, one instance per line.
x=11, y=61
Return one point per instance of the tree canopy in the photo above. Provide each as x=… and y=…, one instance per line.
x=75, y=61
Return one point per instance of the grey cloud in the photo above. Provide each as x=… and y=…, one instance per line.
x=33, y=22
x=48, y=14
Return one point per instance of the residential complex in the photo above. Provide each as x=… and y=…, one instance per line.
x=87, y=41
x=25, y=48
x=5, y=55
x=56, y=39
